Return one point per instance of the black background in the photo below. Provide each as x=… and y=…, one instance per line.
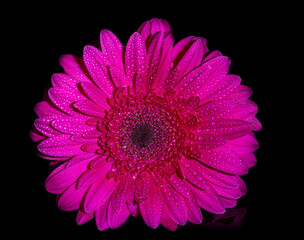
x=246, y=33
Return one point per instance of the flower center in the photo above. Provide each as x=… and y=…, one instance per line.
x=148, y=133
x=142, y=135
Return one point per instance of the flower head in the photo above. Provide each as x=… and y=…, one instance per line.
x=155, y=129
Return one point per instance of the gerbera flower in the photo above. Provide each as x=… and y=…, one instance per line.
x=155, y=129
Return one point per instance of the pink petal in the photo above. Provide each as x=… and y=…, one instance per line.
x=167, y=222
x=212, y=55
x=225, y=160
x=71, y=198
x=79, y=158
x=228, y=193
x=187, y=60
x=74, y=67
x=99, y=193
x=95, y=94
x=193, y=211
x=243, y=145
x=216, y=109
x=118, y=77
x=208, y=199
x=165, y=65
x=62, y=177
x=176, y=204
x=47, y=108
x=142, y=189
x=71, y=125
x=83, y=217
x=223, y=88
x=63, y=99
x=227, y=128
x=179, y=185
x=154, y=56
x=249, y=159
x=89, y=108
x=243, y=186
x=195, y=80
x=91, y=176
x=43, y=125
x=112, y=48
x=246, y=110
x=117, y=219
x=120, y=195
x=59, y=146
x=149, y=28
x=241, y=93
x=62, y=80
x=139, y=83
x=152, y=208
x=96, y=64
x=219, y=178
x=101, y=217
x=135, y=58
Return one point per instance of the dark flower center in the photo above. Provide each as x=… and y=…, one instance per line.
x=142, y=135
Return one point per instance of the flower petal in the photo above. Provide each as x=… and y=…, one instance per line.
x=117, y=219
x=119, y=196
x=71, y=199
x=227, y=128
x=142, y=188
x=135, y=58
x=175, y=203
x=151, y=209
x=95, y=94
x=59, y=146
x=74, y=67
x=101, y=217
x=43, y=125
x=243, y=145
x=112, y=48
x=61, y=178
x=46, y=109
x=208, y=199
x=149, y=28
x=99, y=193
x=83, y=217
x=193, y=211
x=225, y=160
x=71, y=125
x=89, y=108
x=96, y=64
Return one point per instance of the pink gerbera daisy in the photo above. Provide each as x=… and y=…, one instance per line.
x=154, y=129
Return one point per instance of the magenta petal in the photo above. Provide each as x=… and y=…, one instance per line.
x=71, y=125
x=119, y=196
x=151, y=209
x=59, y=146
x=208, y=199
x=83, y=217
x=74, y=67
x=96, y=64
x=225, y=160
x=112, y=48
x=99, y=193
x=47, y=108
x=101, y=217
x=249, y=159
x=179, y=185
x=89, y=108
x=63, y=177
x=117, y=219
x=193, y=211
x=142, y=189
x=43, y=125
x=135, y=57
x=176, y=204
x=243, y=145
x=95, y=94
x=149, y=28
x=71, y=199
x=167, y=222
